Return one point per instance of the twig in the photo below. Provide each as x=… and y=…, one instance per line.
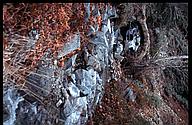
x=171, y=58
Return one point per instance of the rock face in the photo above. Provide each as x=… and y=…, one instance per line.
x=11, y=101
x=118, y=74
x=77, y=87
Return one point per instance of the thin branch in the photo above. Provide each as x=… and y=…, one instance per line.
x=171, y=58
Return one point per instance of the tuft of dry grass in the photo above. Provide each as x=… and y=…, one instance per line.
x=54, y=22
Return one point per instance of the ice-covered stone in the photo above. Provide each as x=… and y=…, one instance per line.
x=88, y=78
x=79, y=106
x=73, y=118
x=112, y=38
x=11, y=100
x=67, y=108
x=109, y=25
x=94, y=62
x=106, y=26
x=99, y=39
x=74, y=91
x=90, y=82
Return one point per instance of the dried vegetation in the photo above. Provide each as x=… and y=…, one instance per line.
x=165, y=51
x=161, y=65
x=54, y=24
